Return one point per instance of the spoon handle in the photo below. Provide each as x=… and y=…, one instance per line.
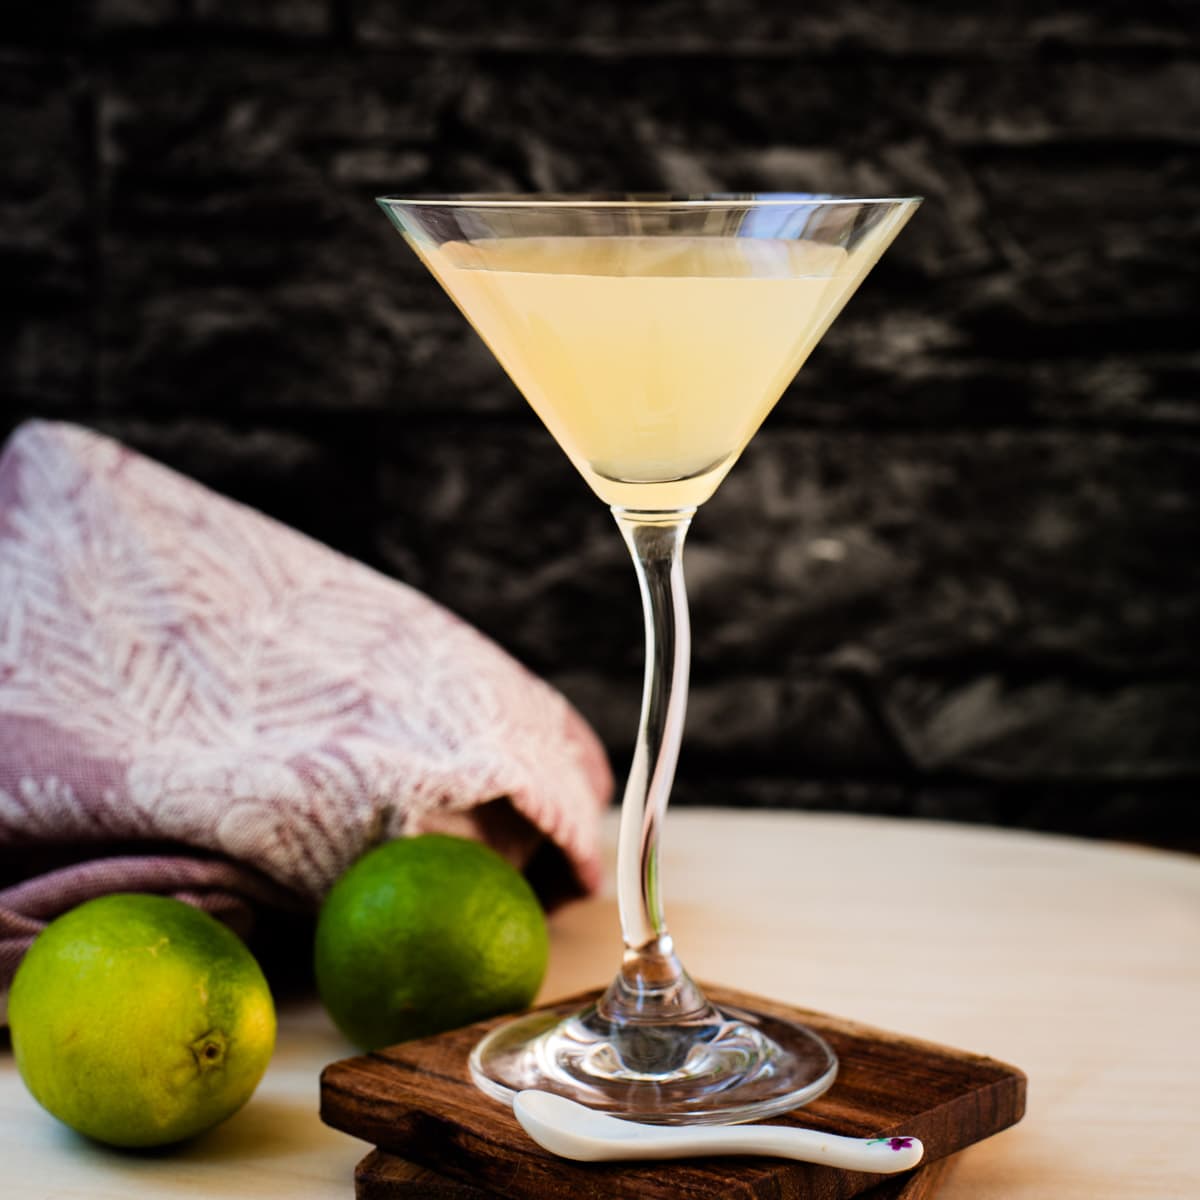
x=883, y=1156
x=879, y=1155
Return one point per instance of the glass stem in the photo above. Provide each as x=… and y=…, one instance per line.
x=652, y=985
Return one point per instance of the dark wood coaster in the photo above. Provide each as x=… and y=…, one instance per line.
x=416, y=1102
x=383, y=1176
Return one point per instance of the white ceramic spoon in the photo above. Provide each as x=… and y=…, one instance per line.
x=572, y=1131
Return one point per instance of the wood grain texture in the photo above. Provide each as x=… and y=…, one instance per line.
x=383, y=1176
x=416, y=1101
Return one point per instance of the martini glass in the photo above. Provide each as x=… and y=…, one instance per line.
x=652, y=335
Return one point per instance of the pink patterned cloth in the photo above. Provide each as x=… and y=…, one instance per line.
x=198, y=701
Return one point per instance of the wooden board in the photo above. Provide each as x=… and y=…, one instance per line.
x=383, y=1176
x=416, y=1102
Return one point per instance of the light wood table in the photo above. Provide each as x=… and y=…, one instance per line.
x=1078, y=962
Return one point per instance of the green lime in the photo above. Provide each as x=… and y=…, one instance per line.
x=140, y=1020
x=424, y=934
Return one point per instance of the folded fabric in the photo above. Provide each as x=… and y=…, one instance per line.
x=198, y=701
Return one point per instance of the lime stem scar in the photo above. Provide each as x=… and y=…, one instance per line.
x=209, y=1048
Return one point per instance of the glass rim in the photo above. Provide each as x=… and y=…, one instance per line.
x=635, y=200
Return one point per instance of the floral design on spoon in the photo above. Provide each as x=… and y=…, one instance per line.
x=897, y=1143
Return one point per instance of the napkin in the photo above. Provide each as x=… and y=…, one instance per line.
x=198, y=701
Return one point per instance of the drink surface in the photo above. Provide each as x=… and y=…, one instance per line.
x=652, y=360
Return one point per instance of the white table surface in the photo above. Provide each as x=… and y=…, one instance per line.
x=1078, y=962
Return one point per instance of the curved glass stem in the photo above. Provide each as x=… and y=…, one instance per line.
x=652, y=1046
x=652, y=984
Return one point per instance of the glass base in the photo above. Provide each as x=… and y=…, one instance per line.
x=716, y=1067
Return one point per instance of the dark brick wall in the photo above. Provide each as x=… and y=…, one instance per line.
x=956, y=574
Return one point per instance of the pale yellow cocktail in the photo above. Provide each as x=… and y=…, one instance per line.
x=651, y=360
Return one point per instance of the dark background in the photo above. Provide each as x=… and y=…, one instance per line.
x=956, y=573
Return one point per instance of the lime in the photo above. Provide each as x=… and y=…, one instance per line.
x=424, y=934
x=140, y=1020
